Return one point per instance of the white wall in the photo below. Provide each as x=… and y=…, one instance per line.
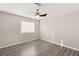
x=10, y=30
x=64, y=27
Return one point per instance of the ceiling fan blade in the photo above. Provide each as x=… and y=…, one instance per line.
x=38, y=4
x=42, y=15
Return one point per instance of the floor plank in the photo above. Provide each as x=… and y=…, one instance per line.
x=37, y=48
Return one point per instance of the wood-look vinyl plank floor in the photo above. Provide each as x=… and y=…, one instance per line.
x=37, y=48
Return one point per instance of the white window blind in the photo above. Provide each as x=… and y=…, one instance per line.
x=27, y=27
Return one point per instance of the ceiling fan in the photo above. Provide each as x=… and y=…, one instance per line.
x=37, y=13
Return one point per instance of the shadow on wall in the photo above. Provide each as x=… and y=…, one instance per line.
x=64, y=27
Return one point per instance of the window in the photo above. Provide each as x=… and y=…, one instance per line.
x=27, y=27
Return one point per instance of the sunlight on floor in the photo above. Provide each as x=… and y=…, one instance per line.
x=29, y=51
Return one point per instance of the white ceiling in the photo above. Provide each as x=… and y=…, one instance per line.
x=25, y=9
x=57, y=9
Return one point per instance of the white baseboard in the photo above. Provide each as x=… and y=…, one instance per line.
x=63, y=45
x=15, y=44
x=67, y=46
x=37, y=39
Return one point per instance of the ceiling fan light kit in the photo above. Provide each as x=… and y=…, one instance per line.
x=37, y=13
